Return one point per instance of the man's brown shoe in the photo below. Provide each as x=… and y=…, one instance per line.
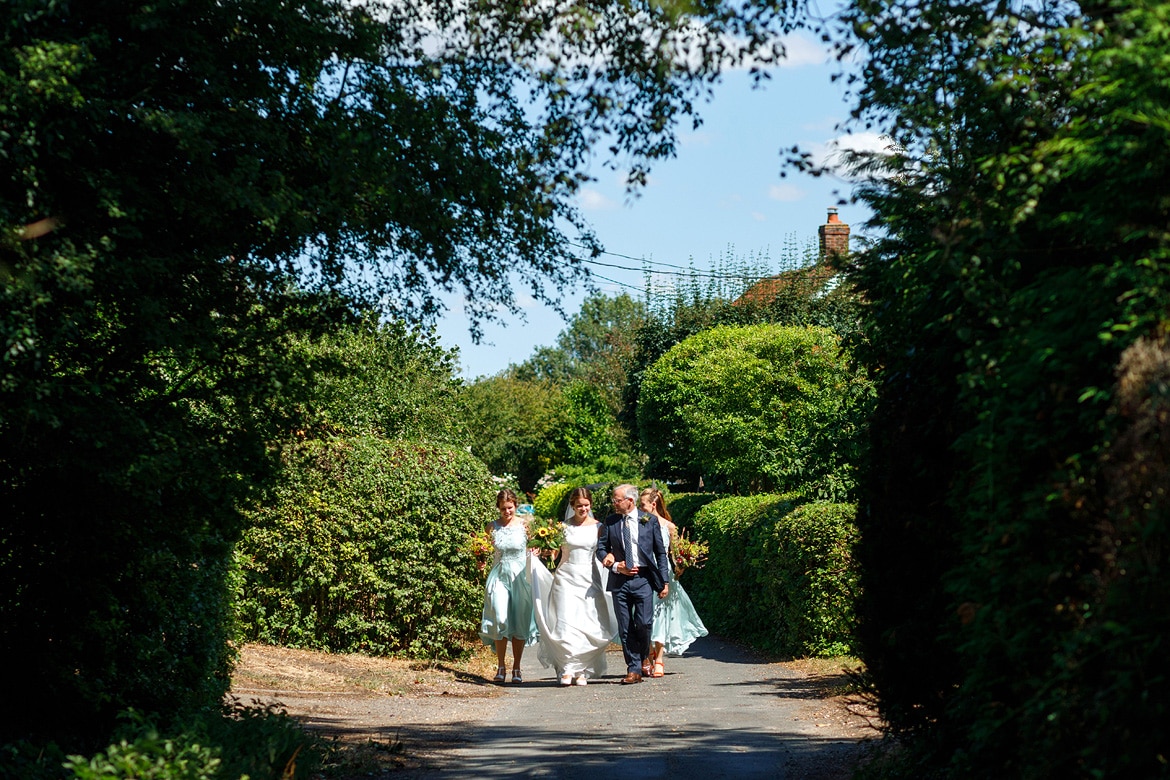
x=631, y=678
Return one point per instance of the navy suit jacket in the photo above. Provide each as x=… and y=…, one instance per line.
x=653, y=563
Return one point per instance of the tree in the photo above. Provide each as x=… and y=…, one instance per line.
x=384, y=379
x=596, y=347
x=741, y=291
x=168, y=168
x=590, y=440
x=1013, y=545
x=513, y=426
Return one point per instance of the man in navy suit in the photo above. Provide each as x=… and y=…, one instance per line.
x=635, y=574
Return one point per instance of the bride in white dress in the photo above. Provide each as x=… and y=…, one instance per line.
x=573, y=611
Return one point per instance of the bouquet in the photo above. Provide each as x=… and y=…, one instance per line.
x=479, y=547
x=545, y=535
x=688, y=554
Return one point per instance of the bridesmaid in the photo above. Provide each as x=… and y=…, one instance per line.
x=676, y=624
x=507, y=603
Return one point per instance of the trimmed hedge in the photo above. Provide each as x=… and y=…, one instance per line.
x=756, y=409
x=363, y=550
x=780, y=574
x=550, y=499
x=683, y=506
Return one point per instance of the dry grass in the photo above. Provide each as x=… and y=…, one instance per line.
x=264, y=669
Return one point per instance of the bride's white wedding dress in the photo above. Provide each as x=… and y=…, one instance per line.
x=573, y=611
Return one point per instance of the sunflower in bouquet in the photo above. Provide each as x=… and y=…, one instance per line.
x=479, y=546
x=688, y=554
x=545, y=535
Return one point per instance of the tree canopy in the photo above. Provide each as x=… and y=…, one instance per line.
x=1013, y=542
x=188, y=188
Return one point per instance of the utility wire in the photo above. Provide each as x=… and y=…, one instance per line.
x=704, y=274
x=684, y=270
x=615, y=281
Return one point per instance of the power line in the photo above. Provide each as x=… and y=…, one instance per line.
x=684, y=270
x=615, y=281
x=688, y=273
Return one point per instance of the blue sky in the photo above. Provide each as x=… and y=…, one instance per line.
x=721, y=194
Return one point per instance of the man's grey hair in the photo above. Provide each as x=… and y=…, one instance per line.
x=627, y=491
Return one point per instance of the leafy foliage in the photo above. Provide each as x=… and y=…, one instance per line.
x=796, y=561
x=740, y=291
x=513, y=425
x=596, y=348
x=1020, y=287
x=550, y=499
x=227, y=742
x=684, y=506
x=364, y=549
x=591, y=437
x=165, y=166
x=755, y=408
x=381, y=379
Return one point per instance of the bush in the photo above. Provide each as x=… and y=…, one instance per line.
x=780, y=574
x=235, y=741
x=813, y=587
x=683, y=506
x=550, y=498
x=363, y=549
x=755, y=409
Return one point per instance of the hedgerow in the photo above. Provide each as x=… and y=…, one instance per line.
x=363, y=549
x=780, y=573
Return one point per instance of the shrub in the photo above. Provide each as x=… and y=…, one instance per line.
x=364, y=549
x=253, y=742
x=683, y=506
x=754, y=409
x=550, y=498
x=813, y=586
x=780, y=574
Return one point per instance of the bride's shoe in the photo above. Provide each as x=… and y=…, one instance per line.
x=566, y=679
x=580, y=680
x=501, y=675
x=659, y=670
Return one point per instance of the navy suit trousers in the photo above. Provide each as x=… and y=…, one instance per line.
x=633, y=602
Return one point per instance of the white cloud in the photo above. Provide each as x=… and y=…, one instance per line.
x=758, y=217
x=787, y=193
x=696, y=138
x=592, y=200
x=834, y=152
x=801, y=50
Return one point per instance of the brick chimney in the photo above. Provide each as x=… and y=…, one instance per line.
x=834, y=236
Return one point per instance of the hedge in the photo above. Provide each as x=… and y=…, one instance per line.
x=364, y=549
x=780, y=573
x=683, y=506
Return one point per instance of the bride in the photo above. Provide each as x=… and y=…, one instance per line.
x=573, y=611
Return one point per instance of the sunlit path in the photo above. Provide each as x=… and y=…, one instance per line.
x=718, y=713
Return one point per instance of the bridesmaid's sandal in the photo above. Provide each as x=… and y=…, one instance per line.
x=659, y=669
x=501, y=674
x=516, y=678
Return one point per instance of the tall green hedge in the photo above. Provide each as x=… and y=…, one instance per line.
x=780, y=574
x=362, y=550
x=684, y=506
